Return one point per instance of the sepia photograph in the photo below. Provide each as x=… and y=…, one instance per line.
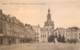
x=39, y=24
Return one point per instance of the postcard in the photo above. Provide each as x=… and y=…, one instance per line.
x=39, y=24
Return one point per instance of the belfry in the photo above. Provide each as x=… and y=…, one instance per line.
x=48, y=28
x=49, y=23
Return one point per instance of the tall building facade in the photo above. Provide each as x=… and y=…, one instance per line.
x=13, y=30
x=48, y=28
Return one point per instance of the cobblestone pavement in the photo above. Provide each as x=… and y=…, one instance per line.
x=41, y=46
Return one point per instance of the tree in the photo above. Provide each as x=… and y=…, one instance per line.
x=51, y=39
x=61, y=38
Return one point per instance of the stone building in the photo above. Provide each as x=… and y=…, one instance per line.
x=42, y=33
x=46, y=31
x=37, y=30
x=60, y=31
x=73, y=33
x=12, y=30
x=59, y=35
x=43, y=36
x=30, y=32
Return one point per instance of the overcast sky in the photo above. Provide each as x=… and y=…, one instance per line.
x=65, y=13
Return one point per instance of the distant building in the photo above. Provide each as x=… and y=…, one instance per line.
x=60, y=31
x=73, y=33
x=30, y=33
x=37, y=33
x=59, y=34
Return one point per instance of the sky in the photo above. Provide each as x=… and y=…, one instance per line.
x=64, y=13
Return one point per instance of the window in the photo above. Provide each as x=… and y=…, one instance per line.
x=3, y=17
x=41, y=36
x=79, y=37
x=8, y=19
x=79, y=34
x=1, y=30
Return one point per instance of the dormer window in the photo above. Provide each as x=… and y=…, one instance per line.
x=0, y=12
x=3, y=17
x=7, y=19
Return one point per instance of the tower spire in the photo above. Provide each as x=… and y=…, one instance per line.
x=49, y=10
x=49, y=15
x=49, y=22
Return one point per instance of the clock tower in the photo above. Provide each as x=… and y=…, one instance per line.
x=49, y=24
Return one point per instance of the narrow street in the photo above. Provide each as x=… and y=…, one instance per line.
x=41, y=46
